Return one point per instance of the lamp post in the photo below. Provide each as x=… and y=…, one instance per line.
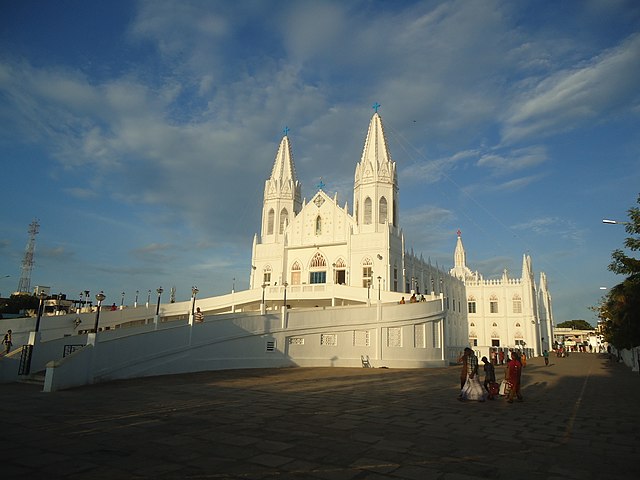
x=41, y=296
x=159, y=290
x=86, y=298
x=285, y=294
x=194, y=292
x=135, y=303
x=122, y=301
x=379, y=279
x=100, y=298
x=148, y=298
x=80, y=306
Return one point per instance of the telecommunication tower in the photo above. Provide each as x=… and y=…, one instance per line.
x=24, y=285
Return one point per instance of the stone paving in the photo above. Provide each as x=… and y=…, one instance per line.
x=580, y=420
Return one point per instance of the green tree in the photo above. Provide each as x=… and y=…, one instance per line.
x=576, y=325
x=17, y=303
x=619, y=308
x=620, y=311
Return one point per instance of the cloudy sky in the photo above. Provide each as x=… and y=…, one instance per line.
x=140, y=134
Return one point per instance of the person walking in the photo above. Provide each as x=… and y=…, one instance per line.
x=7, y=342
x=514, y=376
x=489, y=378
x=469, y=366
x=545, y=354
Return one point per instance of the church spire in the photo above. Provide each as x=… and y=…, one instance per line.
x=375, y=193
x=459, y=256
x=376, y=152
x=283, y=167
x=460, y=268
x=282, y=193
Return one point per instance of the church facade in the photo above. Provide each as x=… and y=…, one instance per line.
x=304, y=246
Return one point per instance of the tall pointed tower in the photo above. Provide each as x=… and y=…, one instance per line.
x=459, y=259
x=282, y=194
x=375, y=192
x=460, y=269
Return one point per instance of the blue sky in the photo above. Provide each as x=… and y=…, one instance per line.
x=140, y=134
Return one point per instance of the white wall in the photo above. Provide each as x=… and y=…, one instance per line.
x=241, y=340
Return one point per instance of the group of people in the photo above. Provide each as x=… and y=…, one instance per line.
x=413, y=299
x=503, y=357
x=470, y=388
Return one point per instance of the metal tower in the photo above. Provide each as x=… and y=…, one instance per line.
x=24, y=285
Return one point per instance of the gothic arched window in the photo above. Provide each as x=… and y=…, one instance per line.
x=270, y=219
x=318, y=225
x=295, y=273
x=471, y=304
x=284, y=220
x=266, y=275
x=517, y=304
x=493, y=304
x=367, y=211
x=383, y=210
x=318, y=269
x=367, y=272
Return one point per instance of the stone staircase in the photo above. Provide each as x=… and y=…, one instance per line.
x=36, y=378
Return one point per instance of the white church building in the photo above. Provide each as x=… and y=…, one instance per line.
x=303, y=245
x=308, y=245
x=328, y=287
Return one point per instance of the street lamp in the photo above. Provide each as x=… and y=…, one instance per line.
x=80, y=308
x=285, y=294
x=194, y=292
x=135, y=303
x=148, y=298
x=159, y=290
x=100, y=298
x=379, y=279
x=122, y=301
x=41, y=296
x=614, y=222
x=86, y=297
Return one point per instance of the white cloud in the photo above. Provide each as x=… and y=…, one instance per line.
x=552, y=226
x=514, y=160
x=575, y=95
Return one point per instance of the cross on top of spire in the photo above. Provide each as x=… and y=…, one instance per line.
x=285, y=130
x=320, y=184
x=376, y=106
x=459, y=232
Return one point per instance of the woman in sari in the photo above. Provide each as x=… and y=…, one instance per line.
x=514, y=373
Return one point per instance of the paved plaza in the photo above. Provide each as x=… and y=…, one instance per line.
x=580, y=420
